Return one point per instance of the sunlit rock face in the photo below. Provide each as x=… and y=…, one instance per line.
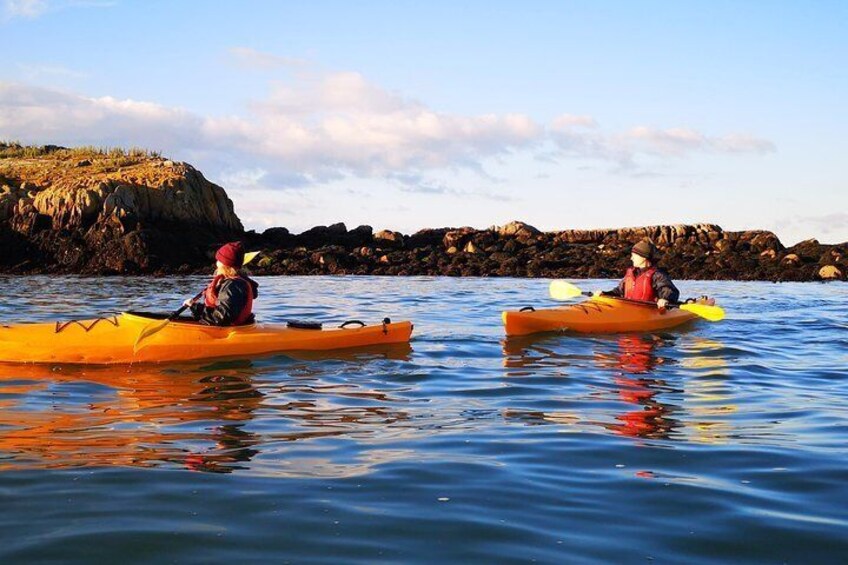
x=86, y=211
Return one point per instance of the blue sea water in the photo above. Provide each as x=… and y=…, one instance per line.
x=715, y=443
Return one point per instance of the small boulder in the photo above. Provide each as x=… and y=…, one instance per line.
x=276, y=236
x=324, y=235
x=388, y=238
x=265, y=262
x=388, y=235
x=723, y=244
x=830, y=272
x=790, y=259
x=426, y=237
x=457, y=237
x=361, y=235
x=517, y=229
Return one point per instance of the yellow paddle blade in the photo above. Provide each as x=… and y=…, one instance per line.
x=563, y=290
x=250, y=256
x=148, y=331
x=707, y=312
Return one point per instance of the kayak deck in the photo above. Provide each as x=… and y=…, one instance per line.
x=110, y=340
x=599, y=314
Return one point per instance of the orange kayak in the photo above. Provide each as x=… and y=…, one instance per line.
x=599, y=314
x=105, y=341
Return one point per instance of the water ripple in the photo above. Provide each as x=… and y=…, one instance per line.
x=719, y=442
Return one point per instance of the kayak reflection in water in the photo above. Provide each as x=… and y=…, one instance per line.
x=636, y=361
x=644, y=281
x=192, y=416
x=228, y=300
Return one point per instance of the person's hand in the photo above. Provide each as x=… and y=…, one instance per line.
x=189, y=303
x=597, y=292
x=662, y=303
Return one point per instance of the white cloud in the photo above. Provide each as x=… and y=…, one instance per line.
x=316, y=127
x=580, y=136
x=35, y=8
x=339, y=123
x=834, y=226
x=24, y=8
x=567, y=122
x=257, y=178
x=677, y=142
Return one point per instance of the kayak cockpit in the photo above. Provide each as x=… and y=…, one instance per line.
x=153, y=316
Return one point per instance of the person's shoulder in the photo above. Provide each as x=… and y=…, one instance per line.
x=661, y=272
x=233, y=285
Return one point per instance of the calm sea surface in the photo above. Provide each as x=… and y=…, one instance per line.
x=720, y=442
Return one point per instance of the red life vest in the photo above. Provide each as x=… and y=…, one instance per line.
x=211, y=297
x=640, y=287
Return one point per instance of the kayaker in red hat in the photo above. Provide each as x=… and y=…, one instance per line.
x=228, y=300
x=644, y=281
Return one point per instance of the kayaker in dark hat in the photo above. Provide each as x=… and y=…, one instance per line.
x=644, y=281
x=228, y=300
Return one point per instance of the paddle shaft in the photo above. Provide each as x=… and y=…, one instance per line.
x=632, y=301
x=176, y=313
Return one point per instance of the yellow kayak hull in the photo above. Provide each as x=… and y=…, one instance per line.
x=598, y=315
x=106, y=341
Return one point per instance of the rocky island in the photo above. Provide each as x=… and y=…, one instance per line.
x=101, y=212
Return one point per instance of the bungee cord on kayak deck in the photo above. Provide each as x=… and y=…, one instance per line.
x=62, y=325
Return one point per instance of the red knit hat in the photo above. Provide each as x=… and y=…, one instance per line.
x=231, y=254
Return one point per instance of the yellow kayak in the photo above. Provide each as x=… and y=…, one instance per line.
x=111, y=340
x=599, y=314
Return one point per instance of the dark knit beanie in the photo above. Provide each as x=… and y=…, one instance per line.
x=645, y=249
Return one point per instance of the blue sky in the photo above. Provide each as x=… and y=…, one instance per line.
x=405, y=115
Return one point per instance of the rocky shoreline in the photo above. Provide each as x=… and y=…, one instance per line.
x=93, y=212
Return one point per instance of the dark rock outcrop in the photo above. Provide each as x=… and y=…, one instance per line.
x=94, y=212
x=702, y=251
